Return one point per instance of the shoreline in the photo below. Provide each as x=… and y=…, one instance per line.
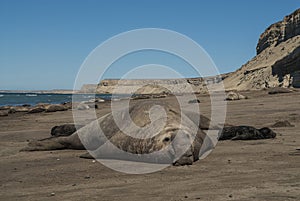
x=241, y=170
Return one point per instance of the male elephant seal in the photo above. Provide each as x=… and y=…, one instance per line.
x=182, y=136
x=179, y=142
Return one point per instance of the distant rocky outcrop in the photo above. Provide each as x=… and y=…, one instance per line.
x=88, y=88
x=153, y=89
x=154, y=86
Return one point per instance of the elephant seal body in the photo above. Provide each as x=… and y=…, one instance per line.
x=180, y=141
x=246, y=133
x=145, y=134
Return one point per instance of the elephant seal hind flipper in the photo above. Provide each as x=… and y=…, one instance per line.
x=55, y=143
x=43, y=145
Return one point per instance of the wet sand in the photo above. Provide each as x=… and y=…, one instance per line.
x=235, y=170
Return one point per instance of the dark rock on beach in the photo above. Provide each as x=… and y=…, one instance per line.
x=284, y=123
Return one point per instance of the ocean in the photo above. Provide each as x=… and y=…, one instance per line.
x=14, y=99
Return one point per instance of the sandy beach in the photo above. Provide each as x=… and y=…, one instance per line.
x=235, y=170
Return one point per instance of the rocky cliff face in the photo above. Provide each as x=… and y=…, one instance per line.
x=273, y=67
x=277, y=63
x=280, y=32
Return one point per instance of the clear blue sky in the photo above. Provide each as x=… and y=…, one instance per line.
x=44, y=42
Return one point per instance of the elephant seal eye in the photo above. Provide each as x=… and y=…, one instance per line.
x=166, y=139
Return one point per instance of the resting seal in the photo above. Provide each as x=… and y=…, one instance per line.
x=64, y=130
x=182, y=137
x=177, y=136
x=246, y=133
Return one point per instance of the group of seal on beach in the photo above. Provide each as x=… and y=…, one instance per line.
x=191, y=143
